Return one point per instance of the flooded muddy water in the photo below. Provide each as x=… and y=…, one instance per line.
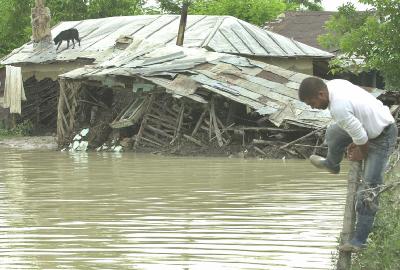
x=125, y=211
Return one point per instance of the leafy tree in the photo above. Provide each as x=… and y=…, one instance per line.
x=171, y=6
x=314, y=5
x=67, y=10
x=107, y=8
x=15, y=26
x=373, y=36
x=253, y=11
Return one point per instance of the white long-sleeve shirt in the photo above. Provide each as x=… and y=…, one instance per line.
x=356, y=111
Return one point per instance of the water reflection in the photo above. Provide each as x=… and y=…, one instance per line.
x=107, y=211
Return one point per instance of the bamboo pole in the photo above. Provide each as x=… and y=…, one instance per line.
x=354, y=176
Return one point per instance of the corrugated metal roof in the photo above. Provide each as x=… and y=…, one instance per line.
x=268, y=89
x=224, y=34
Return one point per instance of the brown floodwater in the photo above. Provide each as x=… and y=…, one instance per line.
x=127, y=211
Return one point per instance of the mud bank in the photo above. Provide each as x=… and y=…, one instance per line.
x=30, y=143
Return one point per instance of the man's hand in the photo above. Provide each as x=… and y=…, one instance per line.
x=357, y=152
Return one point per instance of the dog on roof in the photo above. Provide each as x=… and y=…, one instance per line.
x=69, y=34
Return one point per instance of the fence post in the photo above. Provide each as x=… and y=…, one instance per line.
x=354, y=176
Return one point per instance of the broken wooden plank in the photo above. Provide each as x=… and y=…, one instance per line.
x=301, y=138
x=180, y=121
x=159, y=131
x=259, y=151
x=259, y=141
x=233, y=128
x=190, y=138
x=199, y=122
x=214, y=123
x=150, y=141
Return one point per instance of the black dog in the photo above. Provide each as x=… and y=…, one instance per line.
x=70, y=34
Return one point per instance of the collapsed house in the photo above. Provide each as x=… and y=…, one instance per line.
x=101, y=38
x=140, y=94
x=153, y=96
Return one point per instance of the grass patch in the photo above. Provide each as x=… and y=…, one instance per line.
x=383, y=251
x=22, y=129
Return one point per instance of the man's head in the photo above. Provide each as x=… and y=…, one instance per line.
x=314, y=92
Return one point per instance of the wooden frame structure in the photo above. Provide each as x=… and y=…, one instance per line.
x=67, y=108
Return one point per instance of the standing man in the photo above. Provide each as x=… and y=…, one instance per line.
x=366, y=127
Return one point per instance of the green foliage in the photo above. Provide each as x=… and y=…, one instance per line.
x=383, y=250
x=253, y=11
x=307, y=4
x=67, y=10
x=22, y=129
x=373, y=36
x=174, y=6
x=15, y=25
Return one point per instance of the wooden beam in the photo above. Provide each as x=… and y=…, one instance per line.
x=199, y=122
x=144, y=121
x=301, y=138
x=215, y=124
x=190, y=138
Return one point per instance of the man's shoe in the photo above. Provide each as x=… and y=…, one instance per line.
x=320, y=163
x=349, y=247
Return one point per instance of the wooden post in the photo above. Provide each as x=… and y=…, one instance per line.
x=182, y=24
x=354, y=176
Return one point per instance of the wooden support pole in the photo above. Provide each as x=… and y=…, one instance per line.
x=74, y=104
x=199, y=122
x=210, y=121
x=214, y=123
x=179, y=121
x=182, y=24
x=60, y=115
x=354, y=176
x=149, y=103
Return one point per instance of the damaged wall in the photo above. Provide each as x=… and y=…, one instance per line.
x=40, y=108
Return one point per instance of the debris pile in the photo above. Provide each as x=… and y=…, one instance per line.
x=189, y=102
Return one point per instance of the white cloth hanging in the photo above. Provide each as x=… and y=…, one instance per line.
x=14, y=91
